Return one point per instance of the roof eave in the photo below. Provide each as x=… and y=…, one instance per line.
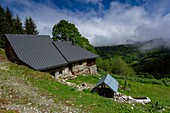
x=73, y=61
x=52, y=67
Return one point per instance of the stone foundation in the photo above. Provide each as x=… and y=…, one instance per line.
x=93, y=69
x=75, y=69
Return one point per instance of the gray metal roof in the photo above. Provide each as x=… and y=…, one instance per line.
x=36, y=51
x=74, y=53
x=109, y=81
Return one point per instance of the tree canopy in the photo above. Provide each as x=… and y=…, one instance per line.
x=115, y=65
x=13, y=25
x=5, y=24
x=65, y=31
x=17, y=26
x=30, y=26
x=2, y=19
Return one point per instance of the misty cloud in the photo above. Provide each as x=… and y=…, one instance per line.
x=153, y=44
x=117, y=25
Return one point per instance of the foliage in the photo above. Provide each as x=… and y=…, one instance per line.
x=11, y=25
x=163, y=81
x=153, y=63
x=84, y=43
x=129, y=53
x=5, y=24
x=2, y=52
x=65, y=31
x=30, y=26
x=17, y=26
x=2, y=19
x=115, y=65
x=8, y=21
x=120, y=67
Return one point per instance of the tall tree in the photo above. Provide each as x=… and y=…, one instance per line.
x=120, y=67
x=2, y=19
x=5, y=24
x=17, y=26
x=30, y=26
x=65, y=31
x=8, y=21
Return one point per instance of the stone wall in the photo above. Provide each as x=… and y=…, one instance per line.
x=75, y=69
x=63, y=72
x=80, y=68
x=93, y=69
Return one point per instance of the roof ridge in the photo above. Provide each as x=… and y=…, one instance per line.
x=60, y=51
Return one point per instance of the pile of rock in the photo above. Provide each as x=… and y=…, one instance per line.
x=123, y=98
x=78, y=87
x=128, y=99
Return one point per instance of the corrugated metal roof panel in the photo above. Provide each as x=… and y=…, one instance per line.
x=36, y=51
x=109, y=81
x=74, y=53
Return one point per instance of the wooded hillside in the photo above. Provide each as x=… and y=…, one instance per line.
x=147, y=63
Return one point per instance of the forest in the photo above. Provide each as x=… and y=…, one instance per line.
x=152, y=63
x=10, y=24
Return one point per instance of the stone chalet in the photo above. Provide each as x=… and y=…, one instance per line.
x=61, y=59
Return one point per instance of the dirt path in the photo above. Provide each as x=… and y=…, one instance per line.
x=18, y=95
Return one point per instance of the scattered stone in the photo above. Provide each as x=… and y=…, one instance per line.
x=78, y=87
x=128, y=99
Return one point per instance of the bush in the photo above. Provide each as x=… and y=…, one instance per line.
x=116, y=66
x=120, y=67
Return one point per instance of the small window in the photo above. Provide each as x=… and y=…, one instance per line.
x=60, y=72
x=80, y=63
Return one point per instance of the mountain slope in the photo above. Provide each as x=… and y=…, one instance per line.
x=143, y=57
x=25, y=90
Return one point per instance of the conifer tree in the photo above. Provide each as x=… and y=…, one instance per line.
x=17, y=26
x=8, y=21
x=30, y=26
x=5, y=24
x=2, y=19
x=10, y=25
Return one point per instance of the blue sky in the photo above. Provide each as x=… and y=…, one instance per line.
x=103, y=22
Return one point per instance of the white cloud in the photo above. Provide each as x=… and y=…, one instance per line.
x=118, y=24
x=91, y=1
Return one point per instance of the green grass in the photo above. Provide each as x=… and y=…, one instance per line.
x=86, y=101
x=163, y=81
x=2, y=51
x=156, y=92
x=92, y=79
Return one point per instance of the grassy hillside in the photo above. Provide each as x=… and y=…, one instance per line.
x=25, y=90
